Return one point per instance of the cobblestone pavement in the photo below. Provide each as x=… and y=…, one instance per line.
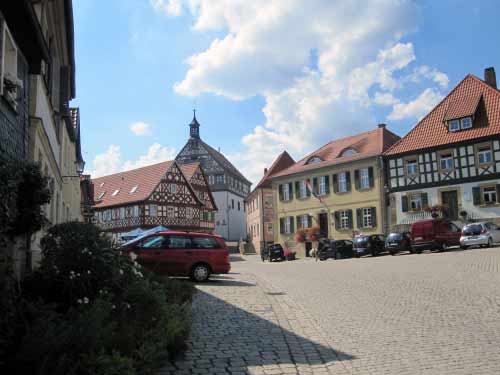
x=433, y=313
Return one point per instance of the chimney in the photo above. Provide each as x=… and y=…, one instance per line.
x=490, y=77
x=382, y=126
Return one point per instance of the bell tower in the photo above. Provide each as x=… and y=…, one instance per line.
x=194, y=127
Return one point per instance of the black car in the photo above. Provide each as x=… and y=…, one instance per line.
x=373, y=244
x=397, y=242
x=273, y=252
x=337, y=249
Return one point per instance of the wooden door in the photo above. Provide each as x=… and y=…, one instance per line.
x=450, y=201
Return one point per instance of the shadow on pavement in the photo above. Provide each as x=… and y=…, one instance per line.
x=228, y=339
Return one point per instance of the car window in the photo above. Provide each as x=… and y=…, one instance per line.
x=155, y=242
x=454, y=228
x=179, y=242
x=491, y=226
x=348, y=243
x=204, y=243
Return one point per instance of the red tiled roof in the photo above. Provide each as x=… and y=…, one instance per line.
x=367, y=144
x=146, y=179
x=284, y=160
x=431, y=131
x=189, y=169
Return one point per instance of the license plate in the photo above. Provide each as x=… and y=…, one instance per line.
x=392, y=243
x=418, y=238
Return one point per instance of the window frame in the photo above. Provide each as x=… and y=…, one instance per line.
x=366, y=215
x=322, y=185
x=302, y=189
x=462, y=120
x=288, y=225
x=492, y=192
x=483, y=150
x=286, y=192
x=415, y=197
x=342, y=182
x=363, y=177
x=409, y=162
x=344, y=220
x=446, y=156
x=306, y=219
x=451, y=128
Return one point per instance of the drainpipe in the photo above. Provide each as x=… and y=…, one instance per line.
x=262, y=224
x=383, y=196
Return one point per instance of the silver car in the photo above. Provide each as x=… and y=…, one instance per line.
x=479, y=234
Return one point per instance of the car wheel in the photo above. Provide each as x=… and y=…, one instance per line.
x=200, y=272
x=464, y=247
x=392, y=252
x=490, y=242
x=338, y=255
x=443, y=247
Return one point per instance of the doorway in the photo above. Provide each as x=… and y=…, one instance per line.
x=323, y=224
x=308, y=246
x=450, y=201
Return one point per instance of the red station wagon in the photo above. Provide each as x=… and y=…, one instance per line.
x=197, y=255
x=434, y=234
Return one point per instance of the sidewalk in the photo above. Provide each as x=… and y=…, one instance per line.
x=243, y=326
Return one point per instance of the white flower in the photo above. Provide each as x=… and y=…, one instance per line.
x=79, y=301
x=88, y=272
x=85, y=300
x=121, y=272
x=128, y=305
x=113, y=307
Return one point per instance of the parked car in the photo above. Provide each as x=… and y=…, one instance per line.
x=336, y=249
x=273, y=252
x=173, y=253
x=434, y=234
x=373, y=244
x=479, y=234
x=396, y=242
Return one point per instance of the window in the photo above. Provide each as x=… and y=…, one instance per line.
x=153, y=210
x=411, y=167
x=101, y=195
x=484, y=155
x=170, y=211
x=302, y=189
x=204, y=243
x=172, y=188
x=342, y=182
x=9, y=81
x=364, y=181
x=115, y=193
x=102, y=184
x=219, y=179
x=288, y=224
x=189, y=212
x=349, y=152
x=466, y=123
x=304, y=221
x=367, y=217
x=489, y=195
x=179, y=242
x=286, y=192
x=134, y=189
x=211, y=179
x=232, y=204
x=344, y=220
x=322, y=185
x=122, y=212
x=270, y=228
x=454, y=125
x=446, y=161
x=136, y=211
x=156, y=242
x=416, y=202
x=314, y=159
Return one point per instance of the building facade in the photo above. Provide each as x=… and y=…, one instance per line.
x=167, y=194
x=338, y=188
x=229, y=187
x=260, y=206
x=450, y=160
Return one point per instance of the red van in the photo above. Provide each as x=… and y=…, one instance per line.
x=434, y=234
x=169, y=253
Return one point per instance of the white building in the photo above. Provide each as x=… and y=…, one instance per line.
x=229, y=187
x=450, y=161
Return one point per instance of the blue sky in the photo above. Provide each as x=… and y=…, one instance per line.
x=265, y=75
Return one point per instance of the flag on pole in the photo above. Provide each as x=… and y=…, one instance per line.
x=310, y=188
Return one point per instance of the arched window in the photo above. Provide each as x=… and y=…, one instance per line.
x=348, y=152
x=314, y=159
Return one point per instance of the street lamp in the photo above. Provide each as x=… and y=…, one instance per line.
x=80, y=166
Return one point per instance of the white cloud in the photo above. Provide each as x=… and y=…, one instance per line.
x=264, y=49
x=140, y=128
x=169, y=7
x=110, y=161
x=426, y=72
x=416, y=108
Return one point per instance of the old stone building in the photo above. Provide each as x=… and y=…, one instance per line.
x=229, y=187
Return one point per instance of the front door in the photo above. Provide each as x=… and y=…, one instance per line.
x=450, y=201
x=323, y=224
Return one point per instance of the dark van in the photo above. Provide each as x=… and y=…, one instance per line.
x=434, y=234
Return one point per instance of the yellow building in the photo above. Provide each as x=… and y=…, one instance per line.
x=339, y=188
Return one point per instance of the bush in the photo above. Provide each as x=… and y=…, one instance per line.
x=91, y=310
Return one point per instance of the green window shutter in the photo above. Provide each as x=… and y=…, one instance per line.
x=349, y=214
x=282, y=225
x=299, y=222
x=425, y=200
x=359, y=219
x=404, y=203
x=297, y=189
x=356, y=179
x=292, y=229
x=498, y=193
x=290, y=189
x=337, y=219
x=280, y=191
x=335, y=183
x=315, y=185
x=370, y=176
x=327, y=184
x=476, y=195
x=348, y=180
x=374, y=217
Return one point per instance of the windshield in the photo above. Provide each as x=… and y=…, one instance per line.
x=473, y=229
x=360, y=240
x=395, y=237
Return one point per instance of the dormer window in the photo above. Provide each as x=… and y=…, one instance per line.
x=115, y=193
x=102, y=184
x=101, y=195
x=314, y=159
x=454, y=125
x=460, y=124
x=134, y=189
x=349, y=152
x=466, y=123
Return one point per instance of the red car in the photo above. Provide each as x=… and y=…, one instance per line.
x=434, y=234
x=197, y=255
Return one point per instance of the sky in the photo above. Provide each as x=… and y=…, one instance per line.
x=265, y=75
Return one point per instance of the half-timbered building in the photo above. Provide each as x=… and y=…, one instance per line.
x=167, y=194
x=450, y=161
x=230, y=188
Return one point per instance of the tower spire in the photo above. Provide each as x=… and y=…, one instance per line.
x=194, y=127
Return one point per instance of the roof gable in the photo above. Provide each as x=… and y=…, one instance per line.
x=283, y=161
x=471, y=96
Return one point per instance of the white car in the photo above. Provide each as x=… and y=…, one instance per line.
x=479, y=234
